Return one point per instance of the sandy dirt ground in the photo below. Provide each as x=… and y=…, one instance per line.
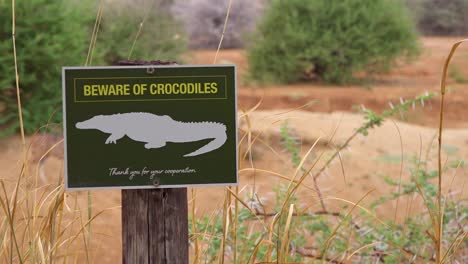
x=406, y=80
x=364, y=163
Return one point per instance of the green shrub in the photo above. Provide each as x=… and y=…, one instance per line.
x=331, y=39
x=49, y=35
x=52, y=34
x=160, y=37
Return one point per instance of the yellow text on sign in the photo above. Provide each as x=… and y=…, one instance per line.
x=106, y=89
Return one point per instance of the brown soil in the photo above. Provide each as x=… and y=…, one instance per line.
x=406, y=81
x=364, y=164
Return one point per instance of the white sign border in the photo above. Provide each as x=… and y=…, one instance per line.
x=64, y=102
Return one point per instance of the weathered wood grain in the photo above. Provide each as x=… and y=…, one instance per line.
x=155, y=226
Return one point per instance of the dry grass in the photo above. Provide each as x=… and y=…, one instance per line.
x=442, y=256
x=277, y=227
x=43, y=224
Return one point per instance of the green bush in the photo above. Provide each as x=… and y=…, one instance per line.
x=331, y=39
x=52, y=34
x=160, y=37
x=49, y=35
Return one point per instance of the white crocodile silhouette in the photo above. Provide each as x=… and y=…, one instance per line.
x=157, y=130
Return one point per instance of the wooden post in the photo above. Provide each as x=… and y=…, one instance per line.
x=155, y=226
x=154, y=221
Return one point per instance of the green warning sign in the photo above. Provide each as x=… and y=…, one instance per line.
x=133, y=127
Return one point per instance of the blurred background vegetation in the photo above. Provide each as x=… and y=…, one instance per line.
x=45, y=42
x=287, y=41
x=146, y=30
x=440, y=17
x=298, y=39
x=204, y=21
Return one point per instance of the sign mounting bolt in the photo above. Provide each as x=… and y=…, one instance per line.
x=156, y=183
x=150, y=70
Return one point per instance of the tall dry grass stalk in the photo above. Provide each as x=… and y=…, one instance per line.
x=438, y=229
x=18, y=96
x=94, y=35
x=42, y=224
x=227, y=212
x=224, y=31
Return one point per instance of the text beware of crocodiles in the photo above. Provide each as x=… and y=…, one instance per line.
x=157, y=130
